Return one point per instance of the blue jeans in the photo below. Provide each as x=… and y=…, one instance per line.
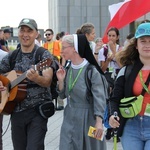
x=136, y=134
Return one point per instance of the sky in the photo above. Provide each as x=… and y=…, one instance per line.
x=13, y=11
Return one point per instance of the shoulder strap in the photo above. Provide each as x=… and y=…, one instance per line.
x=13, y=57
x=128, y=71
x=88, y=76
x=39, y=53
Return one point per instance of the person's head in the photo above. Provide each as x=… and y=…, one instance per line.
x=1, y=34
x=99, y=41
x=68, y=51
x=145, y=21
x=113, y=35
x=139, y=46
x=142, y=35
x=88, y=30
x=57, y=36
x=77, y=46
x=60, y=35
x=128, y=38
x=7, y=34
x=28, y=31
x=49, y=33
x=78, y=31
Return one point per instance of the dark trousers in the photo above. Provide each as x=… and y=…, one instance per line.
x=1, y=131
x=28, y=130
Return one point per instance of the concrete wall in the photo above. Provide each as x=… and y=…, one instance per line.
x=68, y=15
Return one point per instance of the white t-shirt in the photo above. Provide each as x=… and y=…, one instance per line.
x=101, y=57
x=2, y=54
x=37, y=42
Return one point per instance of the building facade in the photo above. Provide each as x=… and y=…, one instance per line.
x=68, y=15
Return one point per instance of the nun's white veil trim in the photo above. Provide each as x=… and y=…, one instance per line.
x=75, y=42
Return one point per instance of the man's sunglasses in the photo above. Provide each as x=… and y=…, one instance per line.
x=48, y=34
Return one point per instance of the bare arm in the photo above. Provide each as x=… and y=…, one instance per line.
x=104, y=64
x=61, y=73
x=4, y=48
x=44, y=80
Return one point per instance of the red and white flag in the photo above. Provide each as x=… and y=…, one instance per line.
x=125, y=12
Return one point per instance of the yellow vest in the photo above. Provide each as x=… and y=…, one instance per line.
x=54, y=48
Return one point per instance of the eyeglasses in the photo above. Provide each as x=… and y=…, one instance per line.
x=48, y=34
x=63, y=47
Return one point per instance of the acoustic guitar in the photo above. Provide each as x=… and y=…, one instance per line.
x=16, y=84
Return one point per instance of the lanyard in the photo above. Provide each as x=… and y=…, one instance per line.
x=71, y=84
x=143, y=84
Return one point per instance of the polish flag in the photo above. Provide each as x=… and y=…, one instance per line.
x=126, y=12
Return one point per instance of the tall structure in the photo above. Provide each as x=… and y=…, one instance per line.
x=68, y=15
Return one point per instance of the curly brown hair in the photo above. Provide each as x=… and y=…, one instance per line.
x=129, y=54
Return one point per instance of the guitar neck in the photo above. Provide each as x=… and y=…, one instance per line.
x=40, y=66
x=18, y=80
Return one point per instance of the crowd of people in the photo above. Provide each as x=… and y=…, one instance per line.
x=104, y=83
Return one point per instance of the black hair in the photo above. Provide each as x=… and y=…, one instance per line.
x=50, y=30
x=116, y=30
x=130, y=36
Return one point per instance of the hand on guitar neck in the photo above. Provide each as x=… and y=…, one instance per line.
x=11, y=88
x=2, y=88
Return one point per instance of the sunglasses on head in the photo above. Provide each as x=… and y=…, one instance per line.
x=48, y=34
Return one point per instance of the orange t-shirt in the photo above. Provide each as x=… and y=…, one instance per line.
x=137, y=89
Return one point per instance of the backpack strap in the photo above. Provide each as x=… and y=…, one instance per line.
x=88, y=76
x=38, y=56
x=13, y=56
x=128, y=71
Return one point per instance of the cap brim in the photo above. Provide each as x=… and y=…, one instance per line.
x=28, y=25
x=138, y=36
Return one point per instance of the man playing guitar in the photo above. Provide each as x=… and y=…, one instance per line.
x=27, y=126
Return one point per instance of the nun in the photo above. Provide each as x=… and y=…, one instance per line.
x=81, y=111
